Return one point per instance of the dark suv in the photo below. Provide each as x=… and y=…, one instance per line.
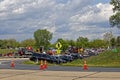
x=57, y=59
x=37, y=57
x=67, y=58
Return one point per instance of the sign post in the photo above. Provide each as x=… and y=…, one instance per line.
x=115, y=50
x=58, y=46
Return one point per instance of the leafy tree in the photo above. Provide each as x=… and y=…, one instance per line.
x=82, y=39
x=11, y=43
x=107, y=37
x=116, y=4
x=113, y=42
x=42, y=37
x=97, y=43
x=2, y=44
x=28, y=42
x=71, y=42
x=82, y=42
x=118, y=41
x=115, y=19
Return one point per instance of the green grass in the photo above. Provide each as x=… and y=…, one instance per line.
x=105, y=59
x=28, y=62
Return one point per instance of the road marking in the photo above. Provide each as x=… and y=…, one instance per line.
x=85, y=76
x=18, y=74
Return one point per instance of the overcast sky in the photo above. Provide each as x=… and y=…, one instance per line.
x=67, y=19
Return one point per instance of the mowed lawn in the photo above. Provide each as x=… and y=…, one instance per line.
x=105, y=59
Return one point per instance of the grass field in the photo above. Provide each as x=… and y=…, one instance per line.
x=105, y=59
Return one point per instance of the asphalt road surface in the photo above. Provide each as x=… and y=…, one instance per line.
x=12, y=74
x=5, y=64
x=32, y=72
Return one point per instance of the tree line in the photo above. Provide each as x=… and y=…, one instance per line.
x=42, y=37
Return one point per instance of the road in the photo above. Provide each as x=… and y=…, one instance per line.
x=32, y=72
x=5, y=64
x=12, y=74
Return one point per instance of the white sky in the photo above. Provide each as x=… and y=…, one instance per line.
x=67, y=19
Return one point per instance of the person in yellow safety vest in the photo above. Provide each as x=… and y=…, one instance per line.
x=81, y=50
x=78, y=50
x=37, y=50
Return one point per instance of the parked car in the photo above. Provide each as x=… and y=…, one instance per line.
x=74, y=55
x=37, y=57
x=68, y=58
x=25, y=54
x=57, y=59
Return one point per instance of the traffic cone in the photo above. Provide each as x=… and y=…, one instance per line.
x=12, y=64
x=41, y=65
x=85, y=66
x=45, y=64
